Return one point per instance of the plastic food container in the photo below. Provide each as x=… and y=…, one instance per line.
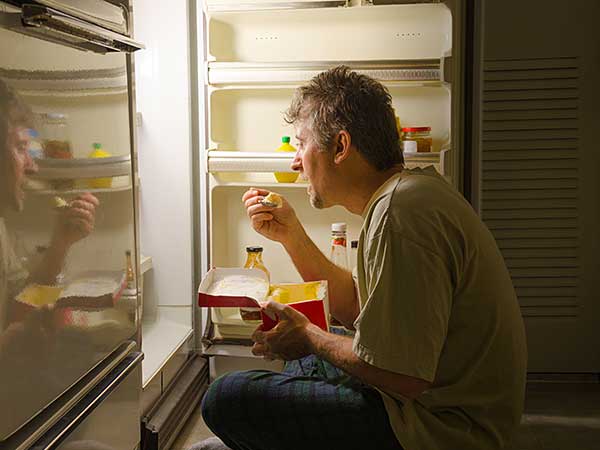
x=420, y=135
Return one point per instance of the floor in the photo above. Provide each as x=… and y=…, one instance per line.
x=558, y=416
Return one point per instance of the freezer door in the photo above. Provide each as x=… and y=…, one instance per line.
x=91, y=424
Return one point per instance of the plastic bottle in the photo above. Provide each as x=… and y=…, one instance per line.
x=352, y=256
x=339, y=254
x=253, y=261
x=99, y=183
x=130, y=277
x=286, y=177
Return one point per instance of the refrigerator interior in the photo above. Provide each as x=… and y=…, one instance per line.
x=62, y=342
x=255, y=60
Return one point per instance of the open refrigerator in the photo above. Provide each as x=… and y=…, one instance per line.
x=254, y=57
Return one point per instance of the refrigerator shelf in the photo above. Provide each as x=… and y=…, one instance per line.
x=387, y=71
x=126, y=187
x=237, y=161
x=60, y=169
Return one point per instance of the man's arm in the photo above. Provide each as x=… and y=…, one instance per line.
x=76, y=222
x=282, y=225
x=295, y=337
x=338, y=351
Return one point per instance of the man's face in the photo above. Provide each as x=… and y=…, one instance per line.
x=19, y=165
x=315, y=165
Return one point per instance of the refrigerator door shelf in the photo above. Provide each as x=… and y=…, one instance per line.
x=68, y=83
x=387, y=71
x=260, y=162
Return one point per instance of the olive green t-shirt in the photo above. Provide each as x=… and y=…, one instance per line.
x=437, y=303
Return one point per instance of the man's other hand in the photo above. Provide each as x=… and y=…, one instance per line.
x=77, y=220
x=288, y=339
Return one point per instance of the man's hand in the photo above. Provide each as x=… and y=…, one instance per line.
x=77, y=220
x=277, y=224
x=288, y=339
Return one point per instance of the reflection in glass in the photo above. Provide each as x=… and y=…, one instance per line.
x=66, y=220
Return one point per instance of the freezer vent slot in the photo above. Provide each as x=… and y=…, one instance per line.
x=163, y=422
x=530, y=178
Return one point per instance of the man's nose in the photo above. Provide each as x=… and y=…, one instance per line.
x=297, y=162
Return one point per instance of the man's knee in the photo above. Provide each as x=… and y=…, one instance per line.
x=222, y=399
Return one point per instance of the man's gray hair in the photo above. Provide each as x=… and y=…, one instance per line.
x=340, y=99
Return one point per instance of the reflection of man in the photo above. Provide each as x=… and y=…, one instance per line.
x=74, y=223
x=438, y=359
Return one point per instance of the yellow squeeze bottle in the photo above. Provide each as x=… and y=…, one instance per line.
x=286, y=177
x=99, y=183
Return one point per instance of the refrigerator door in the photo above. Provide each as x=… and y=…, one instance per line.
x=90, y=425
x=68, y=298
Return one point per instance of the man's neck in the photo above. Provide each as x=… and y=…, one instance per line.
x=363, y=186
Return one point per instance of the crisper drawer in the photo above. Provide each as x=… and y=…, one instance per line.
x=105, y=419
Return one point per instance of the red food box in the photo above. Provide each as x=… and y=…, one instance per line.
x=250, y=288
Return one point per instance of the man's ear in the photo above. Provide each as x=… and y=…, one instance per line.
x=342, y=145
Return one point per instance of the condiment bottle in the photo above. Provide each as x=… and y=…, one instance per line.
x=56, y=136
x=420, y=135
x=286, y=177
x=352, y=257
x=99, y=183
x=129, y=274
x=253, y=261
x=338, y=254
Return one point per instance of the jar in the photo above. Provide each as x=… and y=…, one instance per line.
x=253, y=261
x=421, y=136
x=56, y=136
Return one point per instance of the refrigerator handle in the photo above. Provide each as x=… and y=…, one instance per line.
x=61, y=430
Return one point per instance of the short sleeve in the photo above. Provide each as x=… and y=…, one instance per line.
x=403, y=324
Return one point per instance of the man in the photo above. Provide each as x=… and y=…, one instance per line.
x=74, y=223
x=439, y=356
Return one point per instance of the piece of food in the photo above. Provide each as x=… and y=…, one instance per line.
x=60, y=202
x=272, y=200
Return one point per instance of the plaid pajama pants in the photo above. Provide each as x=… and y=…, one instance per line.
x=311, y=405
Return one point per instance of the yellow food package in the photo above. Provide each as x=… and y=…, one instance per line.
x=38, y=295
